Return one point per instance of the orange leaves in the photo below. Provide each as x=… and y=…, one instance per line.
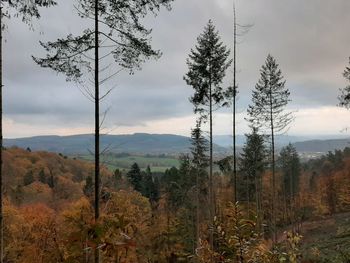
x=30, y=234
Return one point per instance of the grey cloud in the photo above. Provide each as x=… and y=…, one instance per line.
x=308, y=38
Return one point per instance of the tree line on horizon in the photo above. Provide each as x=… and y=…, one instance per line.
x=119, y=35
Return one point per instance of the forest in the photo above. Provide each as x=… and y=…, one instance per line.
x=258, y=204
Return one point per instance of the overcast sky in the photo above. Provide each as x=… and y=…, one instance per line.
x=309, y=39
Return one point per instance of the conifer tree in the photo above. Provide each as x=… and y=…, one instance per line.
x=118, y=35
x=135, y=177
x=290, y=166
x=289, y=162
x=267, y=111
x=200, y=163
x=252, y=165
x=344, y=97
x=207, y=65
x=150, y=186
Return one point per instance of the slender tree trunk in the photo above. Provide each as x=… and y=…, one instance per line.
x=168, y=227
x=257, y=212
x=1, y=146
x=273, y=205
x=261, y=200
x=248, y=195
x=211, y=192
x=285, y=210
x=234, y=104
x=197, y=210
x=291, y=200
x=97, y=127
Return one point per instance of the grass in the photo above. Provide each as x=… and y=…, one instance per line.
x=157, y=163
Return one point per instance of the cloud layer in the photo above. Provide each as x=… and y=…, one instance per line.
x=308, y=38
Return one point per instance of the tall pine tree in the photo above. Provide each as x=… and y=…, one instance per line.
x=118, y=35
x=267, y=111
x=207, y=65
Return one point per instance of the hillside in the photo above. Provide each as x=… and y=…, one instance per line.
x=161, y=144
x=51, y=178
x=322, y=146
x=138, y=143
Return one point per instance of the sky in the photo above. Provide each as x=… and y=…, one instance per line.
x=309, y=39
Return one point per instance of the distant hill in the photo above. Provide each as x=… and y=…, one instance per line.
x=138, y=143
x=281, y=140
x=156, y=144
x=322, y=145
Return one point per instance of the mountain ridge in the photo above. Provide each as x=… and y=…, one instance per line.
x=145, y=143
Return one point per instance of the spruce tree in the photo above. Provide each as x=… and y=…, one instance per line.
x=344, y=97
x=118, y=35
x=199, y=151
x=289, y=162
x=290, y=166
x=252, y=165
x=207, y=65
x=267, y=111
x=135, y=177
x=150, y=187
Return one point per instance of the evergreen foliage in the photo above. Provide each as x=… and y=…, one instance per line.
x=252, y=166
x=290, y=166
x=267, y=112
x=269, y=99
x=150, y=186
x=26, y=10
x=344, y=97
x=135, y=177
x=207, y=65
x=124, y=37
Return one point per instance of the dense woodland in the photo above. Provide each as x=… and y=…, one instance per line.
x=247, y=207
x=148, y=217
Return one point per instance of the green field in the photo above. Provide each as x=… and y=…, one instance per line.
x=157, y=163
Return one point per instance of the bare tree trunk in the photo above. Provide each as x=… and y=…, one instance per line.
x=273, y=173
x=291, y=201
x=211, y=193
x=197, y=210
x=285, y=210
x=247, y=195
x=97, y=127
x=257, y=212
x=234, y=104
x=1, y=146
